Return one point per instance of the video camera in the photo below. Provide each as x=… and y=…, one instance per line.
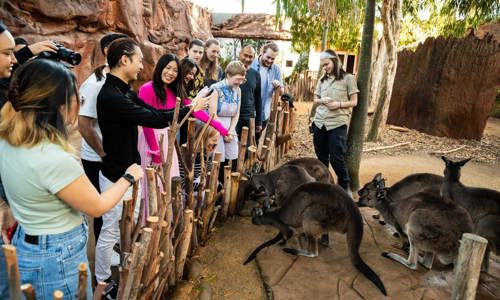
x=64, y=54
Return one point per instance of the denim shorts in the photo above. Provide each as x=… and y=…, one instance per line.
x=52, y=264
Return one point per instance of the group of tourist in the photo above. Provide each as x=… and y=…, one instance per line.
x=44, y=190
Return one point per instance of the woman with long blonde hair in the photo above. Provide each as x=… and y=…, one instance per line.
x=44, y=181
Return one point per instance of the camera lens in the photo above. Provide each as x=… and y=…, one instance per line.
x=69, y=56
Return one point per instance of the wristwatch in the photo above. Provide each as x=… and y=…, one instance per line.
x=129, y=178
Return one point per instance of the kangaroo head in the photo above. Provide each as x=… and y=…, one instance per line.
x=452, y=169
x=257, y=216
x=370, y=192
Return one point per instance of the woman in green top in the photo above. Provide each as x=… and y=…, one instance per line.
x=336, y=92
x=44, y=182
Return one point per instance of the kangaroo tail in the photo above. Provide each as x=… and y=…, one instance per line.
x=354, y=236
x=272, y=241
x=369, y=273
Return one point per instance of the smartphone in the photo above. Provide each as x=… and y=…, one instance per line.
x=210, y=91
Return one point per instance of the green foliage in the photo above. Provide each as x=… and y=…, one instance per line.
x=424, y=18
x=344, y=31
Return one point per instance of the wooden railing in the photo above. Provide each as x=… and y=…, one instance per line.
x=303, y=85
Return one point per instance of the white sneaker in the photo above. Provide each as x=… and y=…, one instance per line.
x=115, y=259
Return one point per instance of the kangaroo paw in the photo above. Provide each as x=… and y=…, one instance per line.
x=299, y=252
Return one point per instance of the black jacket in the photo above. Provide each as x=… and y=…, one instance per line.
x=251, y=104
x=119, y=112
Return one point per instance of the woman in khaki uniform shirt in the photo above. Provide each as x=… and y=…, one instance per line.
x=336, y=92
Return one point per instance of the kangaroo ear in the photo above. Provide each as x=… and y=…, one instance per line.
x=446, y=160
x=463, y=162
x=378, y=177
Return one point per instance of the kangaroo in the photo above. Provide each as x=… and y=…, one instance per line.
x=314, y=167
x=482, y=204
x=315, y=208
x=433, y=225
x=402, y=189
x=280, y=182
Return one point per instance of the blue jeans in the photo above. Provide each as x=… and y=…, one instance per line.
x=53, y=263
x=330, y=147
x=4, y=287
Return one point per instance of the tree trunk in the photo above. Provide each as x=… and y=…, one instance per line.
x=325, y=36
x=391, y=19
x=379, y=56
x=357, y=126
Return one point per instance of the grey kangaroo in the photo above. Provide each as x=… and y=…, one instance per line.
x=408, y=186
x=433, y=225
x=482, y=204
x=280, y=182
x=315, y=208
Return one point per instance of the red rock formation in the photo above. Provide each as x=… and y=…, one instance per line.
x=251, y=26
x=447, y=86
x=160, y=26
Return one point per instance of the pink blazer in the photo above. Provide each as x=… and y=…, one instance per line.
x=147, y=94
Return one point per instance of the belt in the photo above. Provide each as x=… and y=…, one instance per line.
x=31, y=239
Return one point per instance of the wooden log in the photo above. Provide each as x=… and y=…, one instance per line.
x=28, y=291
x=183, y=248
x=149, y=270
x=214, y=217
x=243, y=149
x=217, y=157
x=125, y=288
x=251, y=132
x=399, y=128
x=152, y=192
x=447, y=151
x=468, y=267
x=386, y=147
x=137, y=268
x=252, y=150
x=235, y=179
x=227, y=192
x=82, y=281
x=58, y=295
x=12, y=271
x=285, y=131
x=190, y=158
x=210, y=202
x=126, y=225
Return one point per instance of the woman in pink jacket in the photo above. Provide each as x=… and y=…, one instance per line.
x=161, y=93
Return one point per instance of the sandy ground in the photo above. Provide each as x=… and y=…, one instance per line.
x=230, y=245
x=222, y=258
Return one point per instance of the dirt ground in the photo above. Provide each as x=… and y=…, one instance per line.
x=276, y=275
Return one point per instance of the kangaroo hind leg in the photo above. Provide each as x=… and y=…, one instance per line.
x=426, y=260
x=410, y=263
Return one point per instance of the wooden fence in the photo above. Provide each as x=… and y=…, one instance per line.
x=155, y=247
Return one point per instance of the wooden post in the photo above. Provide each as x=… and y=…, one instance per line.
x=184, y=243
x=227, y=191
x=136, y=268
x=58, y=295
x=243, y=149
x=126, y=226
x=235, y=179
x=468, y=267
x=251, y=132
x=150, y=267
x=252, y=157
x=12, y=271
x=190, y=158
x=152, y=192
x=82, y=281
x=28, y=291
x=210, y=201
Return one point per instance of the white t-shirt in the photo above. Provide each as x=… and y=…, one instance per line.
x=88, y=108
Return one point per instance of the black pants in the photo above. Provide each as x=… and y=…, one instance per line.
x=92, y=169
x=246, y=122
x=330, y=147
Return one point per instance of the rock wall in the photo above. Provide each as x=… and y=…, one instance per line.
x=447, y=86
x=159, y=26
